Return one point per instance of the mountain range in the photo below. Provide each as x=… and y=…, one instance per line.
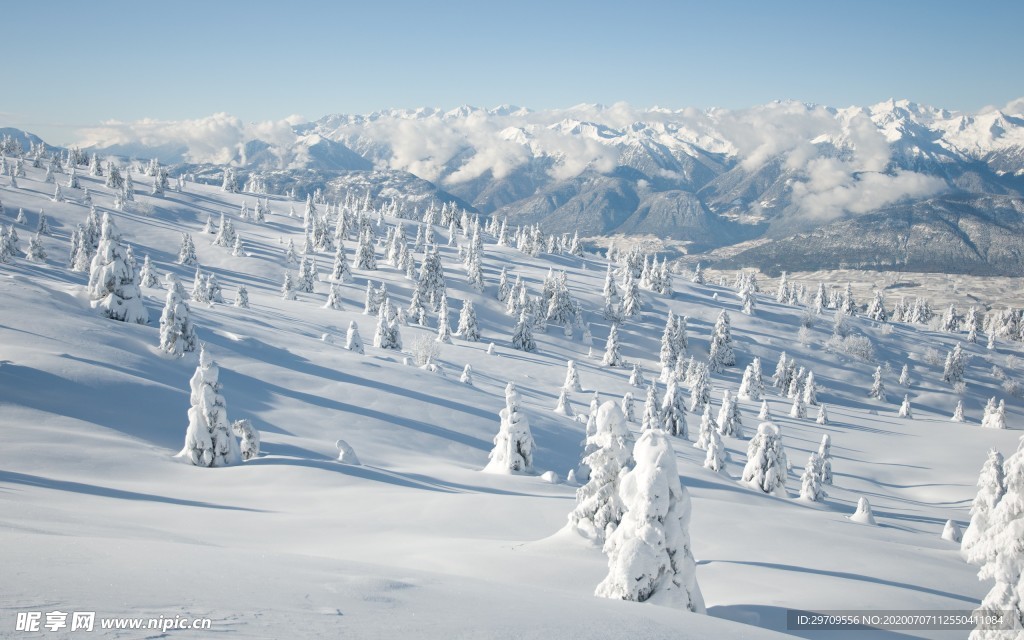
x=784, y=186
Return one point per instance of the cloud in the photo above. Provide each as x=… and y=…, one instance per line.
x=219, y=138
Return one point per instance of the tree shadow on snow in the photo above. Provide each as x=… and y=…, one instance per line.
x=108, y=492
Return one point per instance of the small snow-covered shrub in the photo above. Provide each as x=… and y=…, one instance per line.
x=886, y=330
x=425, y=349
x=998, y=373
x=959, y=388
x=1013, y=388
x=933, y=357
x=855, y=346
x=803, y=336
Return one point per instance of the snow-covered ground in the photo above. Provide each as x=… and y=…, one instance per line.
x=97, y=513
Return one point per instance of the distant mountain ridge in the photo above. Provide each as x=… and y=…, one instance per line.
x=788, y=173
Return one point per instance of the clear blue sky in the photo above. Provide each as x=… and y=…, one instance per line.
x=73, y=64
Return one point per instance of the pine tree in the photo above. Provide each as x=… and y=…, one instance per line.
x=716, y=453
x=187, y=253
x=113, y=287
x=636, y=377
x=208, y=439
x=721, y=353
x=649, y=555
x=564, y=407
x=177, y=334
x=810, y=481
x=288, y=287
x=765, y=413
x=334, y=298
x=468, y=329
x=810, y=393
x=366, y=258
x=572, y=377
x=627, y=407
x=877, y=386
x=242, y=297
x=822, y=418
x=825, y=456
x=250, y=444
x=444, y=330
x=612, y=356
x=631, y=298
x=958, y=412
x=905, y=376
x=467, y=375
x=513, y=446
x=766, y=461
x=955, y=366
x=598, y=507
x=213, y=291
x=905, y=411
x=669, y=353
x=522, y=334
x=35, y=251
x=652, y=416
x=707, y=425
x=974, y=545
x=995, y=415
x=700, y=388
x=673, y=411
x=353, y=342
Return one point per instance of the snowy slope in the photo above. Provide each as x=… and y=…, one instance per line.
x=98, y=514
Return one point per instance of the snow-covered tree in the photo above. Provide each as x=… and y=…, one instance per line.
x=877, y=386
x=35, y=251
x=649, y=553
x=764, y=413
x=905, y=411
x=564, y=407
x=822, y=418
x=766, y=461
x=716, y=453
x=334, y=298
x=707, y=423
x=288, y=286
x=863, y=514
x=825, y=456
x=612, y=356
x=386, y=334
x=810, y=393
x=636, y=376
x=572, y=377
x=748, y=388
x=513, y=446
x=631, y=303
x=729, y=423
x=652, y=416
x=242, y=297
x=905, y=375
x=177, y=334
x=627, y=406
x=598, y=506
x=468, y=329
x=995, y=415
x=113, y=287
x=353, y=342
x=250, y=438
x=147, y=275
x=522, y=333
x=958, y=412
x=698, y=275
x=467, y=375
x=876, y=310
x=700, y=388
x=810, y=481
x=720, y=352
x=955, y=366
x=208, y=439
x=444, y=328
x=975, y=545
x=187, y=252
x=673, y=411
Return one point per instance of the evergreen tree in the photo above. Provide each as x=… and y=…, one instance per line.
x=822, y=418
x=113, y=287
x=707, y=425
x=288, y=287
x=572, y=377
x=958, y=412
x=905, y=411
x=974, y=545
x=810, y=481
x=627, y=407
x=208, y=439
x=825, y=456
x=353, y=342
x=636, y=377
x=187, y=253
x=148, y=275
x=995, y=418
x=250, y=444
x=721, y=353
x=631, y=298
x=764, y=413
x=810, y=392
x=177, y=334
x=700, y=388
x=468, y=328
x=35, y=251
x=564, y=407
x=766, y=461
x=598, y=506
x=652, y=416
x=467, y=375
x=729, y=422
x=242, y=297
x=334, y=298
x=877, y=386
x=649, y=555
x=956, y=365
x=673, y=411
x=612, y=357
x=522, y=334
x=905, y=376
x=513, y=446
x=444, y=329
x=716, y=453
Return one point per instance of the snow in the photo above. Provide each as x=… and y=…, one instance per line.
x=97, y=513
